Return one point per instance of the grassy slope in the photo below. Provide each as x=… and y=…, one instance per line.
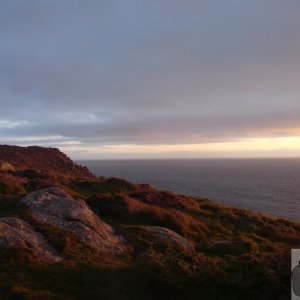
x=150, y=270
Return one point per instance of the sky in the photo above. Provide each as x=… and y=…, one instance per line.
x=151, y=78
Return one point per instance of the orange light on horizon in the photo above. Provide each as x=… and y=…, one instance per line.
x=254, y=147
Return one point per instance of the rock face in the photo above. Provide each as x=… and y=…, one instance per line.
x=18, y=234
x=50, y=160
x=55, y=207
x=165, y=235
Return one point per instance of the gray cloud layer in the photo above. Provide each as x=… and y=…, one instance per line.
x=109, y=72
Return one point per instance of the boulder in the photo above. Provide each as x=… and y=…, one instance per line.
x=164, y=235
x=18, y=234
x=53, y=206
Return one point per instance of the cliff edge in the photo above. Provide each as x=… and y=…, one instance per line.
x=40, y=159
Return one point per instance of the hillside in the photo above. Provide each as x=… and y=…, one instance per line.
x=39, y=159
x=82, y=237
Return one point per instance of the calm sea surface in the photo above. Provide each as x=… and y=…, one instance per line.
x=267, y=185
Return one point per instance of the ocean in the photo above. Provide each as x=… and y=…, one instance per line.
x=270, y=186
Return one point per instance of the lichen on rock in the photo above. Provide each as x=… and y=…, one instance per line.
x=53, y=206
x=18, y=234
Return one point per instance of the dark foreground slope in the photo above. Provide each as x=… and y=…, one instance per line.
x=82, y=237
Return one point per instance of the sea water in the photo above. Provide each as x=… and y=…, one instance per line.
x=270, y=186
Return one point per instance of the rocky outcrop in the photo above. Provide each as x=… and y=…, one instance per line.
x=40, y=159
x=18, y=234
x=54, y=207
x=164, y=235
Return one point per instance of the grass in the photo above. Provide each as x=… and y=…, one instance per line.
x=150, y=270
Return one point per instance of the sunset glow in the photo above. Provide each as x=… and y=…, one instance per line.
x=142, y=79
x=251, y=147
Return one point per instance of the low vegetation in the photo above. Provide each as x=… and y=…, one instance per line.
x=235, y=253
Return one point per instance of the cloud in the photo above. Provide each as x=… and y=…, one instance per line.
x=148, y=72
